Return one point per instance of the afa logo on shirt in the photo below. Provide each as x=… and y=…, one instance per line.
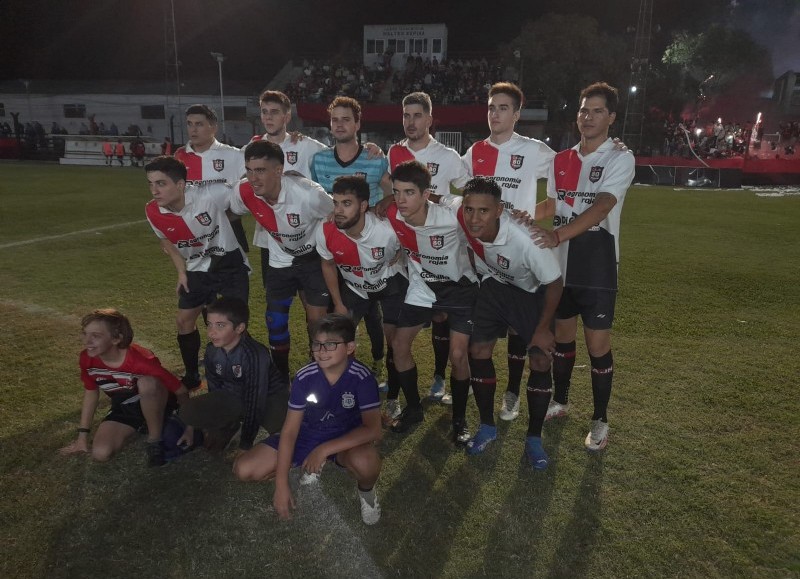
x=516, y=161
x=293, y=219
x=360, y=174
x=218, y=164
x=437, y=241
x=203, y=218
x=377, y=253
x=348, y=400
x=291, y=157
x=503, y=262
x=433, y=168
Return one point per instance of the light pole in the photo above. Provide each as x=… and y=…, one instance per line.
x=219, y=57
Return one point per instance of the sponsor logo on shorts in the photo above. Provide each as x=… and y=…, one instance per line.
x=291, y=157
x=218, y=164
x=293, y=219
x=348, y=400
x=237, y=370
x=377, y=253
x=595, y=173
x=516, y=161
x=437, y=241
x=433, y=169
x=503, y=261
x=203, y=218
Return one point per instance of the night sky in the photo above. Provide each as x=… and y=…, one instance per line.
x=112, y=39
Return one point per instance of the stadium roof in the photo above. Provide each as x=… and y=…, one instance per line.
x=208, y=86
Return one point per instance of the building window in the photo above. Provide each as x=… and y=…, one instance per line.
x=418, y=46
x=235, y=113
x=74, y=111
x=152, y=111
x=401, y=46
x=374, y=46
x=2, y=110
x=437, y=46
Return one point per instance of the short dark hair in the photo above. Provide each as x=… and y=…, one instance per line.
x=483, y=186
x=602, y=89
x=276, y=96
x=348, y=103
x=119, y=326
x=264, y=150
x=170, y=166
x=419, y=98
x=413, y=172
x=338, y=325
x=510, y=89
x=204, y=110
x=234, y=309
x=358, y=186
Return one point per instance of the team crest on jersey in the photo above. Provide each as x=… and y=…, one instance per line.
x=595, y=173
x=361, y=174
x=437, y=241
x=348, y=400
x=293, y=219
x=503, y=262
x=433, y=168
x=237, y=370
x=516, y=161
x=291, y=157
x=218, y=164
x=203, y=218
x=377, y=253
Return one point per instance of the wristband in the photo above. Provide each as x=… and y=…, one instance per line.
x=558, y=237
x=84, y=430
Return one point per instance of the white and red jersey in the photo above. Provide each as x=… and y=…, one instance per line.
x=200, y=231
x=513, y=258
x=121, y=381
x=365, y=263
x=296, y=156
x=437, y=251
x=443, y=163
x=515, y=165
x=219, y=164
x=590, y=259
x=287, y=228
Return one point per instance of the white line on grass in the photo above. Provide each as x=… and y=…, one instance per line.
x=70, y=234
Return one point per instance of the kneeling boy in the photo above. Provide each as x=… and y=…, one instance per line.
x=244, y=385
x=135, y=381
x=333, y=415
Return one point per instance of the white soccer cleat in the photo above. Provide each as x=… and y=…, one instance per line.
x=556, y=410
x=597, y=439
x=369, y=514
x=510, y=408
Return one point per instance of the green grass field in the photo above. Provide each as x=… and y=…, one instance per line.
x=700, y=478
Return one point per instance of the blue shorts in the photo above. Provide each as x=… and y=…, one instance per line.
x=302, y=447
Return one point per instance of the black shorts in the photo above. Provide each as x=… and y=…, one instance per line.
x=127, y=411
x=500, y=306
x=229, y=279
x=455, y=299
x=595, y=306
x=391, y=299
x=304, y=275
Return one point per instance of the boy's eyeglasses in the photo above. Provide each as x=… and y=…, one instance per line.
x=327, y=346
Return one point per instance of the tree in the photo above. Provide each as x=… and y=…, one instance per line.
x=561, y=54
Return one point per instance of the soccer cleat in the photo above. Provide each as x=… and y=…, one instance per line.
x=437, y=392
x=597, y=439
x=192, y=382
x=535, y=454
x=370, y=514
x=460, y=433
x=391, y=411
x=309, y=478
x=409, y=416
x=510, y=408
x=478, y=443
x=155, y=454
x=556, y=410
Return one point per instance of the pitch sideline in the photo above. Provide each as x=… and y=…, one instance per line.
x=70, y=234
